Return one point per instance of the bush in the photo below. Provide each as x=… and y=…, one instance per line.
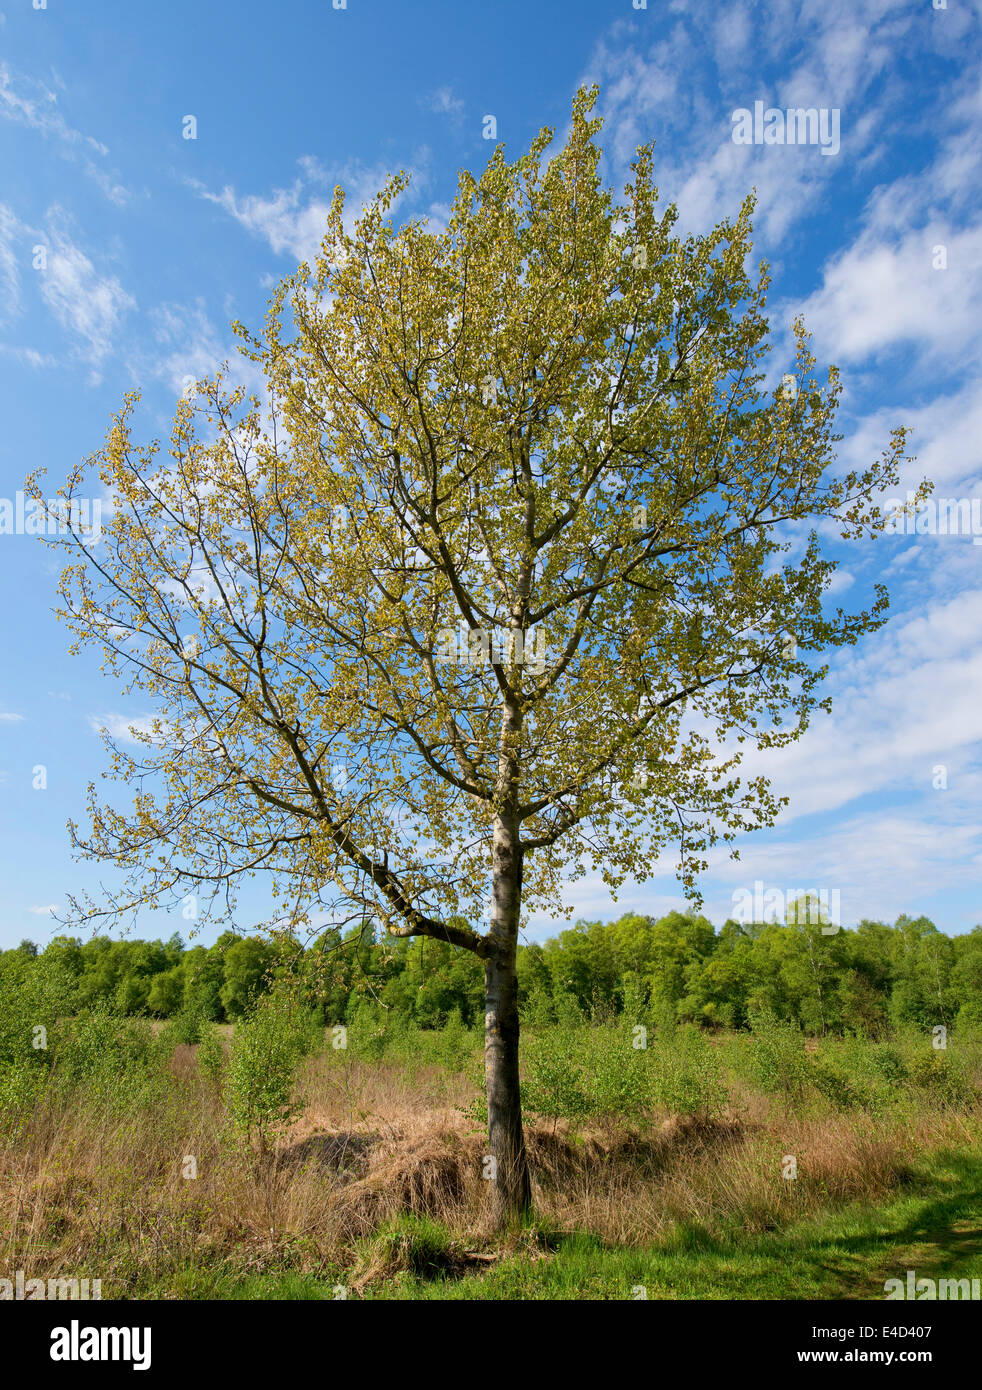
x=34, y=994
x=368, y=1037
x=887, y=1063
x=552, y=1084
x=211, y=1052
x=618, y=1079
x=834, y=1083
x=777, y=1057
x=455, y=1044
x=268, y=1045
x=411, y=1244
x=943, y=1075
x=22, y=1085
x=686, y=1075
x=185, y=1027
x=114, y=1061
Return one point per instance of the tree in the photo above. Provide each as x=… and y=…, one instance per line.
x=204, y=974
x=678, y=943
x=463, y=607
x=166, y=993
x=247, y=965
x=583, y=964
x=966, y=977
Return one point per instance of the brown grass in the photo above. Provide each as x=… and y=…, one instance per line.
x=95, y=1194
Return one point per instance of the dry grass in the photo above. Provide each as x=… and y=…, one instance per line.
x=90, y=1192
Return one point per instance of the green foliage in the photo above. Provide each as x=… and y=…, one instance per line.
x=886, y=1063
x=34, y=994
x=165, y=997
x=22, y=1084
x=185, y=1027
x=616, y=1074
x=874, y=981
x=268, y=1045
x=247, y=963
x=114, y=1061
x=211, y=1052
x=943, y=1074
x=552, y=1081
x=367, y=1036
x=456, y=1043
x=777, y=1056
x=686, y=1074
x=835, y=1084
x=417, y=1245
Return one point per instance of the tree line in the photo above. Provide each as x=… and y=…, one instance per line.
x=863, y=980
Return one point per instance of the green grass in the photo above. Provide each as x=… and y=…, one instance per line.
x=227, y=1285
x=935, y=1228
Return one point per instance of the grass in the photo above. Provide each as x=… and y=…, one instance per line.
x=369, y=1185
x=935, y=1228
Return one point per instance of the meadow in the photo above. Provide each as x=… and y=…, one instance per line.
x=277, y=1157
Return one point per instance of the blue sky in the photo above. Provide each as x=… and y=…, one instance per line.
x=152, y=243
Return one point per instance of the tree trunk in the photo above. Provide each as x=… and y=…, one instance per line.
x=508, y=1170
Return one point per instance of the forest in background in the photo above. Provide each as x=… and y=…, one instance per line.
x=677, y=967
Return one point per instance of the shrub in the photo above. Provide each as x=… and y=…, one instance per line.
x=455, y=1044
x=34, y=994
x=21, y=1086
x=552, y=1084
x=113, y=1061
x=617, y=1077
x=686, y=1075
x=942, y=1074
x=211, y=1052
x=268, y=1044
x=185, y=1026
x=834, y=1083
x=367, y=1039
x=777, y=1057
x=886, y=1062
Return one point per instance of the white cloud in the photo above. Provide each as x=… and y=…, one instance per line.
x=10, y=232
x=876, y=296
x=291, y=224
x=89, y=306
x=880, y=864
x=190, y=341
x=49, y=910
x=678, y=77
x=31, y=357
x=293, y=221
x=946, y=438
x=28, y=102
x=905, y=702
x=121, y=727
x=443, y=103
